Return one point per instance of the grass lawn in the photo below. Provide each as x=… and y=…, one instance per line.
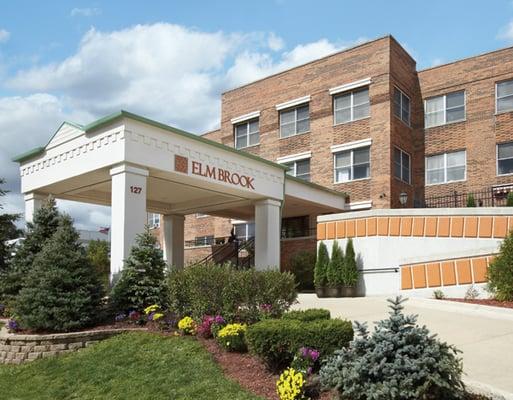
x=129, y=366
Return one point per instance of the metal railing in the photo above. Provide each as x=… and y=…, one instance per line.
x=495, y=196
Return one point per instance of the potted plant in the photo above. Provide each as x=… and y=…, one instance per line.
x=335, y=271
x=350, y=271
x=320, y=270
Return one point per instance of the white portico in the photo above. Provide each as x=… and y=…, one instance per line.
x=136, y=165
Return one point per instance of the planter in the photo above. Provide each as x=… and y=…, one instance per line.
x=320, y=291
x=348, y=291
x=334, y=291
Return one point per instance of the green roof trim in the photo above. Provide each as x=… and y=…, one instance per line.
x=28, y=154
x=316, y=186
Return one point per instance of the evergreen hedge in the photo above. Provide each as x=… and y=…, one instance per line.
x=500, y=272
x=312, y=314
x=336, y=266
x=321, y=266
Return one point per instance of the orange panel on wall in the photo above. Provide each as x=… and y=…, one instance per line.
x=330, y=230
x=360, y=227
x=464, y=272
x=448, y=273
x=371, y=226
x=444, y=224
x=406, y=223
x=457, y=226
x=500, y=227
x=383, y=226
x=485, y=227
x=471, y=226
x=419, y=276
x=406, y=282
x=341, y=229
x=510, y=225
x=350, y=228
x=321, y=231
x=433, y=275
x=431, y=224
x=479, y=267
x=395, y=226
x=418, y=226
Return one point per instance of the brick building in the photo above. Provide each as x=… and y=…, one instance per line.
x=365, y=122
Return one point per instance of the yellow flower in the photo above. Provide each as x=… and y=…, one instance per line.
x=187, y=325
x=150, y=309
x=232, y=330
x=290, y=385
x=157, y=316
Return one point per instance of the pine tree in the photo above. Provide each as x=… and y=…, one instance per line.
x=321, y=266
x=350, y=275
x=62, y=291
x=142, y=280
x=336, y=266
x=8, y=231
x=509, y=200
x=98, y=255
x=471, y=202
x=46, y=221
x=500, y=273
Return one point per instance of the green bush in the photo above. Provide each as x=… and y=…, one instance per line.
x=142, y=281
x=471, y=202
x=350, y=270
x=237, y=295
x=500, y=272
x=398, y=361
x=98, y=255
x=311, y=314
x=62, y=291
x=321, y=266
x=302, y=266
x=276, y=341
x=336, y=266
x=509, y=200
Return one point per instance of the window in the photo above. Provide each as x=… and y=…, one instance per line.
x=505, y=158
x=351, y=106
x=351, y=165
x=445, y=109
x=402, y=165
x=200, y=215
x=153, y=220
x=444, y=168
x=299, y=169
x=504, y=94
x=244, y=231
x=295, y=227
x=204, y=240
x=295, y=121
x=247, y=134
x=402, y=106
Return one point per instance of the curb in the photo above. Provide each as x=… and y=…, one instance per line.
x=487, y=390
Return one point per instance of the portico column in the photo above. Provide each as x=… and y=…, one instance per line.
x=267, y=234
x=128, y=211
x=173, y=230
x=33, y=202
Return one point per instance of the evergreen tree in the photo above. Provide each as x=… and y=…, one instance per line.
x=98, y=255
x=336, y=266
x=8, y=231
x=321, y=266
x=142, y=279
x=350, y=275
x=500, y=272
x=471, y=202
x=46, y=221
x=509, y=200
x=62, y=292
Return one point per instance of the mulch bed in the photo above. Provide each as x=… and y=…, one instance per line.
x=484, y=302
x=248, y=371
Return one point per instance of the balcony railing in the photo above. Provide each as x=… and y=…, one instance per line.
x=494, y=196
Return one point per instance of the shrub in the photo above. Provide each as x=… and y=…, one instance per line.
x=8, y=231
x=291, y=384
x=509, y=199
x=311, y=314
x=231, y=337
x=472, y=293
x=187, y=326
x=438, y=294
x=62, y=291
x=237, y=295
x=277, y=341
x=398, y=361
x=500, y=272
x=471, y=202
x=302, y=265
x=336, y=266
x=142, y=280
x=350, y=269
x=321, y=266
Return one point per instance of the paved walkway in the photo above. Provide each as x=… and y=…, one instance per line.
x=484, y=334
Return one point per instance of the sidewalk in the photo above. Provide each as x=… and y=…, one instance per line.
x=484, y=334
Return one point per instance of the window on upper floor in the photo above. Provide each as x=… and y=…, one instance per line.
x=445, y=168
x=444, y=109
x=153, y=220
x=505, y=158
x=247, y=134
x=504, y=96
x=401, y=106
x=351, y=106
x=402, y=165
x=299, y=168
x=294, y=121
x=352, y=165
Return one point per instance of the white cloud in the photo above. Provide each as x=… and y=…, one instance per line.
x=85, y=12
x=275, y=43
x=436, y=62
x=4, y=35
x=506, y=33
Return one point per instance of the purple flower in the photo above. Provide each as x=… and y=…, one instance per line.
x=219, y=320
x=120, y=317
x=309, y=371
x=304, y=352
x=314, y=354
x=266, y=307
x=12, y=324
x=134, y=315
x=150, y=316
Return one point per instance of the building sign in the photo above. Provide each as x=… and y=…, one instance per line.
x=222, y=175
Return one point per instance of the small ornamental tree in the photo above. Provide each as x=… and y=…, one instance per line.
x=321, y=266
x=62, y=292
x=8, y=231
x=350, y=271
x=142, y=280
x=471, y=202
x=500, y=272
x=98, y=255
x=336, y=266
x=398, y=361
x=509, y=200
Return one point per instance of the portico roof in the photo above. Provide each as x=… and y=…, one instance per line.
x=187, y=173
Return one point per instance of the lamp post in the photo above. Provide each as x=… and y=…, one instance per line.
x=403, y=198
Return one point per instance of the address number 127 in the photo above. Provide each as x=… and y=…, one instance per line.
x=136, y=189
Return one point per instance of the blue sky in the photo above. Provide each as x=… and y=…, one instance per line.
x=172, y=60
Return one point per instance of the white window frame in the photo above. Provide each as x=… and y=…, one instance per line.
x=409, y=166
x=295, y=107
x=247, y=123
x=153, y=220
x=497, y=159
x=205, y=239
x=351, y=150
x=445, y=182
x=294, y=167
x=246, y=229
x=445, y=109
x=351, y=107
x=401, y=107
x=497, y=97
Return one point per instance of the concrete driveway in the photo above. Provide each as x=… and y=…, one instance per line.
x=484, y=334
